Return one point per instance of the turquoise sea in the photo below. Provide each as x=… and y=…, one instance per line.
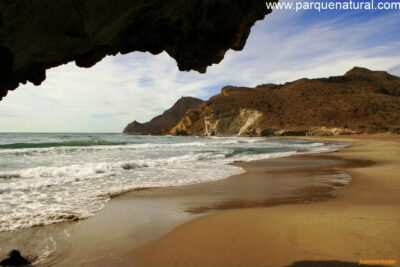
x=52, y=177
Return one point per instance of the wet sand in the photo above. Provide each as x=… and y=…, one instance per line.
x=361, y=223
x=278, y=212
x=136, y=218
x=140, y=217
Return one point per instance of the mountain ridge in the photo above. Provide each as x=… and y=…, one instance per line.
x=360, y=101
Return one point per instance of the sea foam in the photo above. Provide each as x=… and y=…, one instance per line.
x=44, y=185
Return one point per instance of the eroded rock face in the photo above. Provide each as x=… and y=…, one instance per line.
x=39, y=34
x=240, y=123
x=361, y=101
x=162, y=123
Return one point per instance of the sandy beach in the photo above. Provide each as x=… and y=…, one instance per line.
x=134, y=219
x=260, y=133
x=361, y=224
x=337, y=206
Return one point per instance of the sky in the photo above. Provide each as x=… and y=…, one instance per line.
x=286, y=46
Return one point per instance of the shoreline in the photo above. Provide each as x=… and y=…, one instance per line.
x=76, y=174
x=127, y=214
x=174, y=206
x=163, y=209
x=362, y=223
x=140, y=218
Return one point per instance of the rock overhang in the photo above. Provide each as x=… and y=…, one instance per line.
x=42, y=34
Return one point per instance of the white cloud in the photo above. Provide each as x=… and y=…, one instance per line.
x=395, y=70
x=139, y=86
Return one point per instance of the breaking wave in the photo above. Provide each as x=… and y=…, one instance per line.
x=44, y=182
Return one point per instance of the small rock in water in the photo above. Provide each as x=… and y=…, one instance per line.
x=15, y=259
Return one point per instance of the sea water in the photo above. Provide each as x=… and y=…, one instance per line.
x=53, y=177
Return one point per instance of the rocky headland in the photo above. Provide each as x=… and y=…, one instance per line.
x=164, y=122
x=360, y=101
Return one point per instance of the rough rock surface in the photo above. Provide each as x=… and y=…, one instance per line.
x=36, y=35
x=361, y=101
x=162, y=123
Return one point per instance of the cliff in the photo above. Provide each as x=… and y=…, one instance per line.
x=361, y=101
x=37, y=35
x=165, y=121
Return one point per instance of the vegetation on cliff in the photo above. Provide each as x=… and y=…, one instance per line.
x=361, y=101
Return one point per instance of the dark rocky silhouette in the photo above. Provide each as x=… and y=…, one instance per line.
x=46, y=33
x=15, y=259
x=165, y=121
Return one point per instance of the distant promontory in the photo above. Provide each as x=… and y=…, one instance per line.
x=164, y=122
x=361, y=101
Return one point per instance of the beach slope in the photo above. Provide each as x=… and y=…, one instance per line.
x=362, y=223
